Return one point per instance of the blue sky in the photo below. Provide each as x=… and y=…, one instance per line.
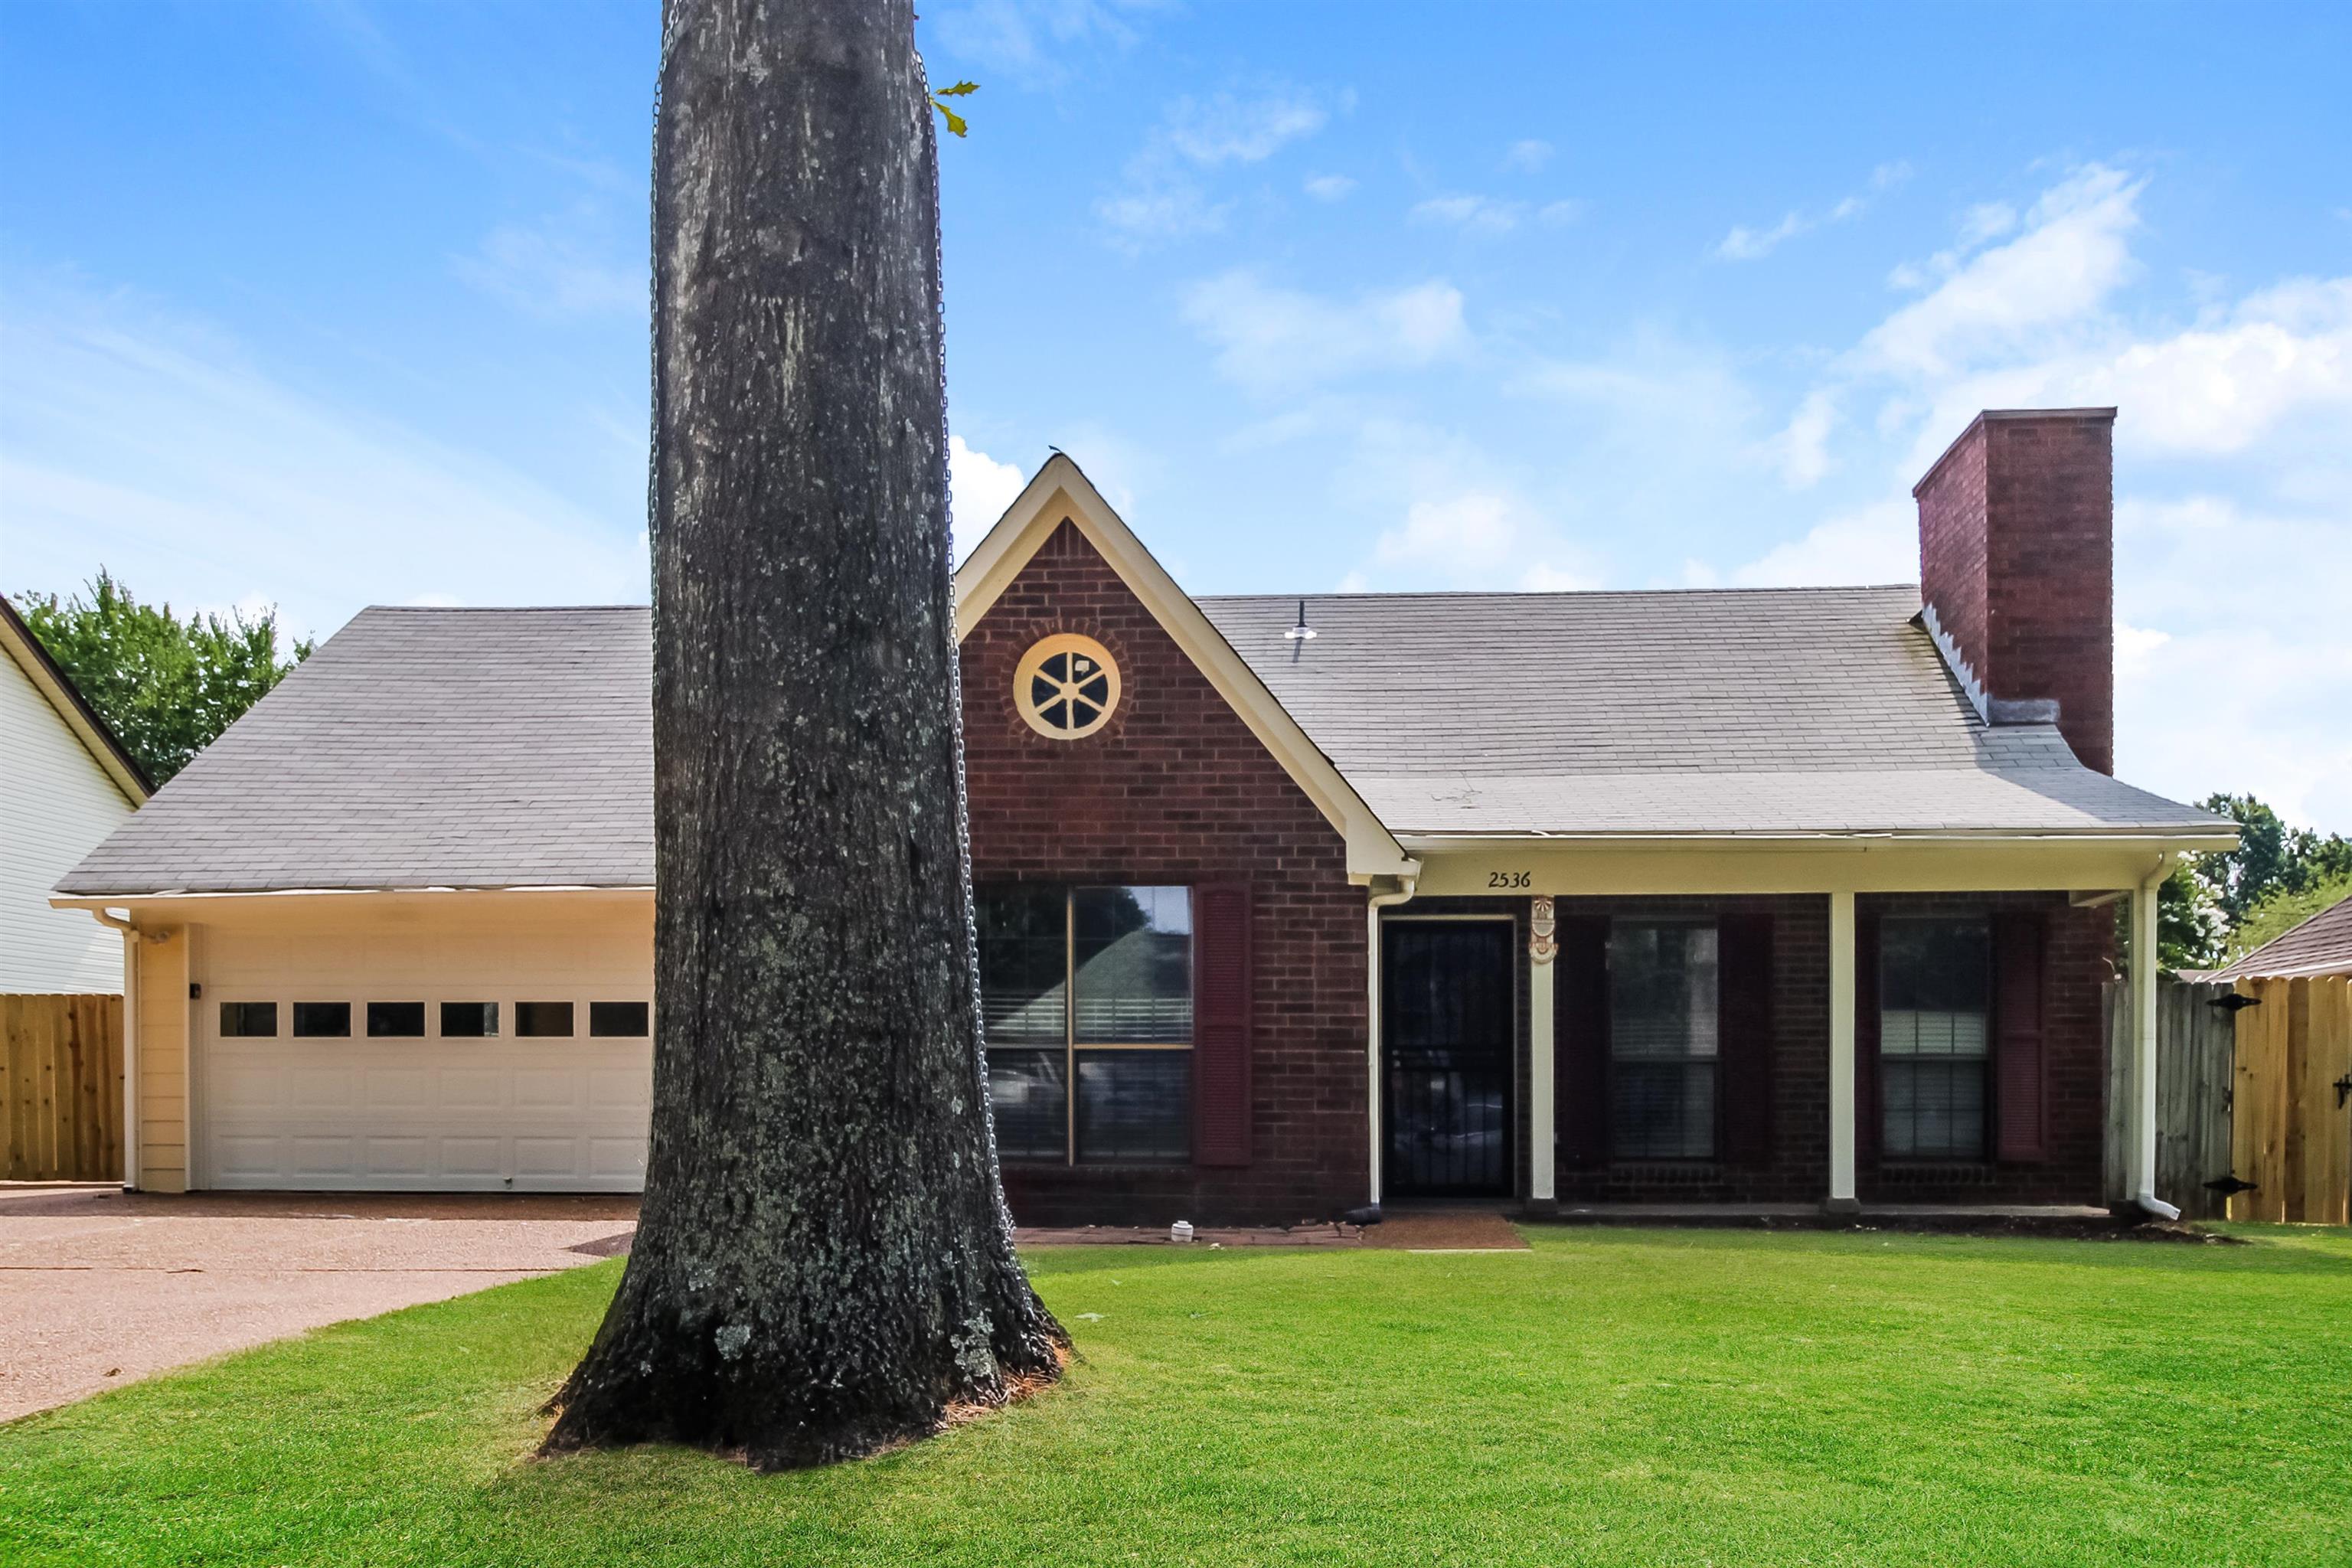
x=336, y=304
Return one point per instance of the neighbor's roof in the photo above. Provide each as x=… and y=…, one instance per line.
x=514, y=748
x=1764, y=712
x=419, y=748
x=2320, y=945
x=58, y=688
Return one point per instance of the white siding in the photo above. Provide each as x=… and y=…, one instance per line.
x=56, y=805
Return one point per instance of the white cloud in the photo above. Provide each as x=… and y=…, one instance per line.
x=1328, y=187
x=1559, y=214
x=1032, y=41
x=1802, y=448
x=979, y=489
x=1529, y=156
x=1223, y=129
x=1745, y=244
x=2234, y=652
x=1985, y=221
x=2074, y=255
x=1875, y=543
x=161, y=449
x=1163, y=193
x=1484, y=537
x=1269, y=339
x=560, y=266
x=1472, y=214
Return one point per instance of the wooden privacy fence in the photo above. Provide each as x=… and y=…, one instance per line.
x=2194, y=1049
x=61, y=1086
x=2293, y=1117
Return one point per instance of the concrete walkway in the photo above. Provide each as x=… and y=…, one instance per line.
x=100, y=1288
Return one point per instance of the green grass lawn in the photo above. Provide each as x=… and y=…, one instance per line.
x=1613, y=1396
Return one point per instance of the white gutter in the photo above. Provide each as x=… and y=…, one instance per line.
x=129, y=1046
x=2143, y=1016
x=1373, y=907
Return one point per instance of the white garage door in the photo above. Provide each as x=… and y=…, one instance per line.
x=486, y=1114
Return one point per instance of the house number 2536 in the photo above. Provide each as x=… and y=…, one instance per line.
x=1507, y=879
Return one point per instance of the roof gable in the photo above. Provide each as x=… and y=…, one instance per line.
x=1060, y=492
x=57, y=688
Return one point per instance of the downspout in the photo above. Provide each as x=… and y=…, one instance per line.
x=129, y=1046
x=1407, y=882
x=2143, y=1015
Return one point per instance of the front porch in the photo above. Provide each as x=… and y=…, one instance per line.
x=1883, y=1030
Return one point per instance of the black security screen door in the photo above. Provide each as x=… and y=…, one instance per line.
x=1446, y=1015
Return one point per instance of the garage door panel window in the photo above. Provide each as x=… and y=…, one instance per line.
x=544, y=1020
x=249, y=1020
x=620, y=1020
x=322, y=1020
x=470, y=1020
x=395, y=1020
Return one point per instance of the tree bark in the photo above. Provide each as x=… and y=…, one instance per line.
x=825, y=1265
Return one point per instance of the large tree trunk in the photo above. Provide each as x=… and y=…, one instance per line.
x=825, y=1267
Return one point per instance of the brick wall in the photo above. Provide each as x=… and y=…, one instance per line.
x=2077, y=960
x=1175, y=789
x=2076, y=965
x=2017, y=555
x=1798, y=1169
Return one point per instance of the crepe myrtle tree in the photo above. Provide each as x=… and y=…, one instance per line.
x=824, y=1266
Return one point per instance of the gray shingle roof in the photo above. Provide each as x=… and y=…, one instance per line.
x=1736, y=711
x=419, y=748
x=514, y=748
x=2320, y=945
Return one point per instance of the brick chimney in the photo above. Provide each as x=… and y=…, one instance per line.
x=2016, y=550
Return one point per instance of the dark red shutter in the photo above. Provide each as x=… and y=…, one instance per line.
x=2019, y=1092
x=1222, y=1007
x=1744, y=1035
x=1867, y=1117
x=1580, y=1049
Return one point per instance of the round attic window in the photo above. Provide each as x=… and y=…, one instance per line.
x=1066, y=687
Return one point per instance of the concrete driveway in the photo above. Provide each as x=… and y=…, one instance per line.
x=100, y=1288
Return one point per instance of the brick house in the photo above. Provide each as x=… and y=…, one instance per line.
x=1789, y=897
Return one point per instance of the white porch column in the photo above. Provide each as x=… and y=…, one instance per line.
x=1841, y=1198
x=2141, y=1171
x=1542, y=947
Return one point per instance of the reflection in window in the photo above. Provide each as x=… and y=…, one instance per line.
x=1935, y=980
x=468, y=1020
x=631, y=1020
x=544, y=1020
x=1129, y=953
x=1135, y=1105
x=395, y=1020
x=322, y=1020
x=249, y=1020
x=1662, y=1047
x=1132, y=952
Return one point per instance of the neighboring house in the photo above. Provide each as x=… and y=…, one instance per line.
x=66, y=782
x=1786, y=896
x=2320, y=945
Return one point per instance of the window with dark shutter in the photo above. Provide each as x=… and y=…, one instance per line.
x=1867, y=1115
x=1088, y=1005
x=1581, y=1077
x=2019, y=1093
x=1221, y=1025
x=1744, y=1035
x=1934, y=1040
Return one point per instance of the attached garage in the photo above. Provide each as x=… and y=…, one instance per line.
x=456, y=1043
x=393, y=930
